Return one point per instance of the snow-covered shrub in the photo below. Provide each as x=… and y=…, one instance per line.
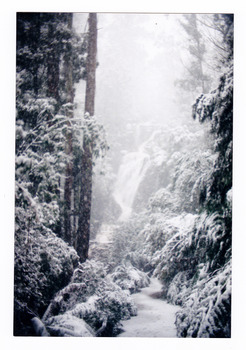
x=175, y=164
x=129, y=278
x=44, y=263
x=190, y=172
x=68, y=326
x=112, y=306
x=93, y=297
x=127, y=242
x=157, y=232
x=174, y=256
x=101, y=311
x=86, y=280
x=194, y=265
x=207, y=307
x=198, y=239
x=178, y=288
x=164, y=201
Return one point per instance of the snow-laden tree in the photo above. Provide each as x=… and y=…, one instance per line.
x=44, y=263
x=217, y=107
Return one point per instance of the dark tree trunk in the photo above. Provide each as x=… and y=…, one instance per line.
x=53, y=71
x=68, y=65
x=91, y=65
x=83, y=232
x=36, y=43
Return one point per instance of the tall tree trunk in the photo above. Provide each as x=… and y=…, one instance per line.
x=36, y=43
x=53, y=70
x=68, y=63
x=83, y=232
x=91, y=65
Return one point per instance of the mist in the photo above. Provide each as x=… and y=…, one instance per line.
x=141, y=57
x=139, y=63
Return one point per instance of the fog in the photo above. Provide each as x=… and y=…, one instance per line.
x=141, y=57
x=139, y=61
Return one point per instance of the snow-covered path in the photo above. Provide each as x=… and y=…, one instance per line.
x=155, y=316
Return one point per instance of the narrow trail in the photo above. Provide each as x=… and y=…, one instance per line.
x=155, y=316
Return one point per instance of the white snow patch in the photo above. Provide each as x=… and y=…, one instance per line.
x=155, y=316
x=104, y=236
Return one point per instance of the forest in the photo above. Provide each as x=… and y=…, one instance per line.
x=123, y=175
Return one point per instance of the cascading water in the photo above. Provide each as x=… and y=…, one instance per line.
x=130, y=175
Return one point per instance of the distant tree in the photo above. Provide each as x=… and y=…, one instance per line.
x=218, y=31
x=195, y=76
x=225, y=25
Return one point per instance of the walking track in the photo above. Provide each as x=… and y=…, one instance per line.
x=155, y=316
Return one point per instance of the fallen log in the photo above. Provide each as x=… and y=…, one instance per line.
x=39, y=327
x=103, y=326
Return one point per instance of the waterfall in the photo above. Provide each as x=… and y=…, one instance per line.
x=131, y=172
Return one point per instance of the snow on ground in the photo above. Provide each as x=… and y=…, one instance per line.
x=104, y=236
x=101, y=243
x=155, y=316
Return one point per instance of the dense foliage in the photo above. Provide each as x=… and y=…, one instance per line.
x=218, y=108
x=184, y=237
x=99, y=298
x=181, y=226
x=44, y=263
x=48, y=51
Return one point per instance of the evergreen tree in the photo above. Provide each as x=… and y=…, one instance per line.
x=196, y=77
